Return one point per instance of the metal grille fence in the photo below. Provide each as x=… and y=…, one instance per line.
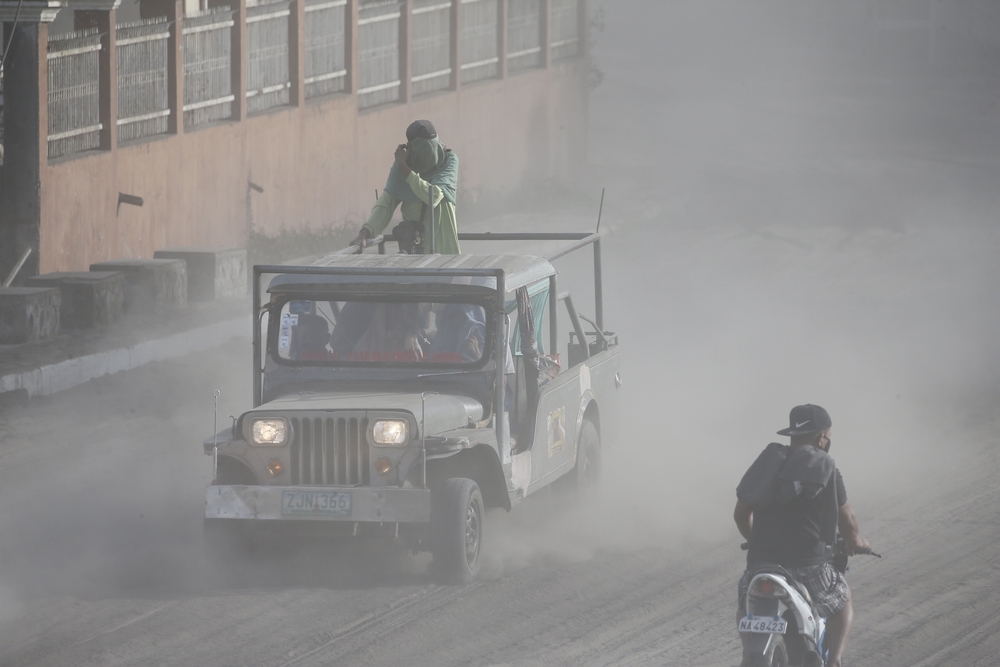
x=143, y=109
x=479, y=40
x=74, y=123
x=326, y=70
x=565, y=28
x=378, y=52
x=208, y=92
x=431, y=45
x=74, y=102
x=524, y=44
x=268, y=80
x=74, y=86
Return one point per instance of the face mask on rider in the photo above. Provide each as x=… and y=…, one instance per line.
x=829, y=444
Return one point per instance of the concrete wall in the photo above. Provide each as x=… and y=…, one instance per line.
x=319, y=165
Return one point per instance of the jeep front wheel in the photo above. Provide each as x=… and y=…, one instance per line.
x=226, y=540
x=229, y=548
x=457, y=529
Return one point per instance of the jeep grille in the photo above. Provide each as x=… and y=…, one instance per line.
x=329, y=450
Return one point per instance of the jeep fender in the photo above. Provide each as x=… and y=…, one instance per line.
x=479, y=463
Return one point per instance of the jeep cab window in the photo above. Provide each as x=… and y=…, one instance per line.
x=377, y=331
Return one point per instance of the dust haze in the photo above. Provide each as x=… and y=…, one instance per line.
x=797, y=210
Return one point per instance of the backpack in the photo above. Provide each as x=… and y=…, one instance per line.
x=757, y=488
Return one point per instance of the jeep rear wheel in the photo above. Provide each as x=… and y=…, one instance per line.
x=457, y=529
x=584, y=479
x=587, y=473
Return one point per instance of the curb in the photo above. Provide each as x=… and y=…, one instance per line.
x=66, y=374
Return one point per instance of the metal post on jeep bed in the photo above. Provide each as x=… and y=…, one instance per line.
x=431, y=249
x=598, y=286
x=500, y=354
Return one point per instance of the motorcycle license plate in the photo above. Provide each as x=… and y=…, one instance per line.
x=324, y=503
x=765, y=624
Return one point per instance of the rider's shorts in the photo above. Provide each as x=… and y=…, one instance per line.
x=827, y=587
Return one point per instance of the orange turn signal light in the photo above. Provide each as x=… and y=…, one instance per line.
x=383, y=466
x=275, y=467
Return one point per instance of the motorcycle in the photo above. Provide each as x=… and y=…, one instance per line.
x=785, y=629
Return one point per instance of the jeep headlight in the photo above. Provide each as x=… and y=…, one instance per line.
x=273, y=432
x=390, y=432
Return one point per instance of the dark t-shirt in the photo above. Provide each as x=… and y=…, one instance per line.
x=796, y=533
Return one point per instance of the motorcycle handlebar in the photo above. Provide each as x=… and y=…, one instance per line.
x=867, y=551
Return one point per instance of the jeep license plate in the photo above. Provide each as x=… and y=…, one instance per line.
x=322, y=503
x=766, y=624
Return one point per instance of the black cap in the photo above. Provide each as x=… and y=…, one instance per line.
x=806, y=419
x=421, y=129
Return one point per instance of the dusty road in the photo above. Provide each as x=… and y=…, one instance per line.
x=781, y=230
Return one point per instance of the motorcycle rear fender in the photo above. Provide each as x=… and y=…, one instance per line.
x=807, y=623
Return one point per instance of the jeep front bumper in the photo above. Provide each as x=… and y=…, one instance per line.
x=292, y=503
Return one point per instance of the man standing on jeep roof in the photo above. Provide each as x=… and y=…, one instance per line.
x=789, y=506
x=423, y=161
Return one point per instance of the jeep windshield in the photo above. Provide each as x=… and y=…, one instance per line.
x=379, y=331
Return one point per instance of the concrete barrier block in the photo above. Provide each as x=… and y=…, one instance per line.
x=89, y=298
x=28, y=313
x=150, y=284
x=212, y=272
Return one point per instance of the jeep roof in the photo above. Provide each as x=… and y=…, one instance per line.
x=518, y=270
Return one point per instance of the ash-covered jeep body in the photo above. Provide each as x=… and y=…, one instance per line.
x=405, y=394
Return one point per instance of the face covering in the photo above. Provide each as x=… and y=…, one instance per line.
x=424, y=155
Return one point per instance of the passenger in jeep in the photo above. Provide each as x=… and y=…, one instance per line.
x=461, y=334
x=311, y=335
x=393, y=334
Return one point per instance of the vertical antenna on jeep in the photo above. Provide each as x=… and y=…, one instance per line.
x=215, y=439
x=423, y=437
x=599, y=212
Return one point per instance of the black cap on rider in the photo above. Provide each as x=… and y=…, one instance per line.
x=806, y=419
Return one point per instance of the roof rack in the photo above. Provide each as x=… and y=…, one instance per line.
x=578, y=240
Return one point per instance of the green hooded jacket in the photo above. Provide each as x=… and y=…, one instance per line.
x=432, y=165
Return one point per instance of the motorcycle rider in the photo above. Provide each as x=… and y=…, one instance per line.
x=790, y=503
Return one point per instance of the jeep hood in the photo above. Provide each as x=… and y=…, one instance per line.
x=442, y=411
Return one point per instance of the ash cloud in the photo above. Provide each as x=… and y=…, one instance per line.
x=801, y=209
